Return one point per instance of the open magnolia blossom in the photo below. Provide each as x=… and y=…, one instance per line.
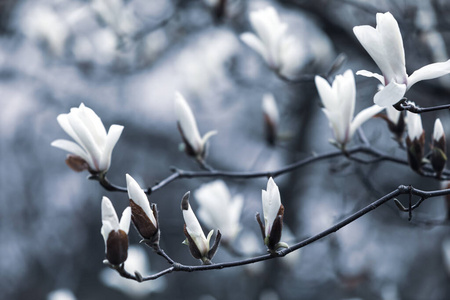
x=195, y=238
x=219, y=210
x=194, y=144
x=273, y=216
x=415, y=140
x=339, y=106
x=438, y=156
x=144, y=218
x=93, y=147
x=385, y=45
x=271, y=117
x=114, y=233
x=271, y=40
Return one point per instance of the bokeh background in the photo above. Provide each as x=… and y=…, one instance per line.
x=125, y=60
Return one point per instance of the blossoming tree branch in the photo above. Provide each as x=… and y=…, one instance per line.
x=92, y=147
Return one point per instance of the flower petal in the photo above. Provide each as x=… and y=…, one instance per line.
x=392, y=44
x=138, y=196
x=125, y=220
x=370, y=74
x=187, y=122
x=326, y=93
x=429, y=72
x=362, y=117
x=438, y=130
x=110, y=220
x=271, y=204
x=390, y=94
x=73, y=148
x=113, y=136
x=414, y=123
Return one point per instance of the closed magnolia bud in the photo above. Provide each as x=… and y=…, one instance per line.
x=415, y=141
x=438, y=153
x=114, y=233
x=144, y=219
x=273, y=216
x=195, y=238
x=271, y=118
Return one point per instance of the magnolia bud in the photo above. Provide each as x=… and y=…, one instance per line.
x=271, y=118
x=144, y=219
x=438, y=152
x=415, y=141
x=114, y=233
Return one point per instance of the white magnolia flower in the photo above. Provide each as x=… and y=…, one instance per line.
x=339, y=106
x=271, y=40
x=93, y=145
x=414, y=124
x=137, y=261
x=218, y=209
x=143, y=216
x=438, y=131
x=195, y=145
x=273, y=212
x=114, y=233
x=385, y=45
x=195, y=238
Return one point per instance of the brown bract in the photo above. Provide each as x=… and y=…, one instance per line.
x=142, y=222
x=117, y=247
x=415, y=152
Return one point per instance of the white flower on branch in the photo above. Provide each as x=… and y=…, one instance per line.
x=93, y=148
x=195, y=238
x=219, y=210
x=438, y=156
x=415, y=140
x=194, y=144
x=271, y=117
x=137, y=261
x=114, y=233
x=271, y=41
x=273, y=216
x=339, y=106
x=144, y=218
x=385, y=45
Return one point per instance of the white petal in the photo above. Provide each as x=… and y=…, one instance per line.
x=111, y=139
x=72, y=147
x=326, y=93
x=370, y=39
x=438, y=131
x=256, y=44
x=346, y=95
x=390, y=94
x=125, y=220
x=370, y=74
x=429, y=72
x=414, y=124
x=192, y=224
x=187, y=122
x=110, y=220
x=271, y=204
x=338, y=125
x=138, y=196
x=206, y=137
x=392, y=114
x=392, y=44
x=269, y=107
x=85, y=136
x=63, y=121
x=362, y=117
x=93, y=123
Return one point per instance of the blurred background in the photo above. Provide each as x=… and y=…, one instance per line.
x=125, y=59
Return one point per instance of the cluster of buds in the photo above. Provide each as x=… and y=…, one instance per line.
x=273, y=211
x=395, y=120
x=415, y=142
